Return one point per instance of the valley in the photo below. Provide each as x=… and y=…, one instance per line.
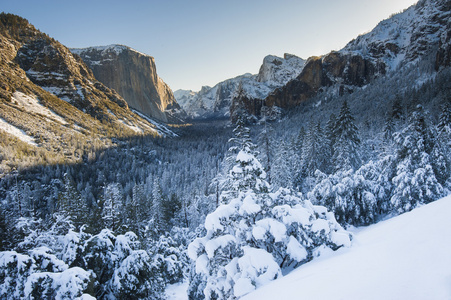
x=112, y=186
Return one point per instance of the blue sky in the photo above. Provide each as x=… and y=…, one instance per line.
x=198, y=42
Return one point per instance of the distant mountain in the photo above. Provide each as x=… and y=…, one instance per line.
x=216, y=101
x=52, y=105
x=421, y=30
x=134, y=76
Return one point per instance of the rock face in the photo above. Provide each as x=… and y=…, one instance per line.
x=423, y=29
x=347, y=71
x=134, y=76
x=215, y=102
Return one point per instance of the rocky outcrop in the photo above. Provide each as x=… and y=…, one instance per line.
x=216, y=102
x=133, y=75
x=345, y=70
x=443, y=58
x=398, y=41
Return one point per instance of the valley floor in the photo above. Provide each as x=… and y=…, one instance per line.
x=406, y=257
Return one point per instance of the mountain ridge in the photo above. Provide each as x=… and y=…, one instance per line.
x=420, y=30
x=216, y=101
x=41, y=79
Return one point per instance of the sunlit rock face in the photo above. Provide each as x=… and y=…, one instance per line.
x=134, y=76
x=217, y=101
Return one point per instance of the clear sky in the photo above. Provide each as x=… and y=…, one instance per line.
x=197, y=42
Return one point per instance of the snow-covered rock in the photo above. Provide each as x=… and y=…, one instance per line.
x=215, y=101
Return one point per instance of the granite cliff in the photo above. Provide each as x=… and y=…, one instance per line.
x=215, y=102
x=134, y=76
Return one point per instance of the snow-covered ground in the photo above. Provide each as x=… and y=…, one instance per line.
x=19, y=133
x=178, y=291
x=406, y=257
x=31, y=104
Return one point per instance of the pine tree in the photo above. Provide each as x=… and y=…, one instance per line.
x=329, y=136
x=346, y=155
x=255, y=234
x=389, y=129
x=267, y=152
x=71, y=204
x=444, y=124
x=313, y=151
x=415, y=181
x=157, y=207
x=112, y=209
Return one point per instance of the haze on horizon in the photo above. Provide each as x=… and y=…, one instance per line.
x=197, y=43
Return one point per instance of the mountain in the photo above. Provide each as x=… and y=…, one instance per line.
x=216, y=101
x=134, y=76
x=51, y=105
x=421, y=30
x=403, y=39
x=406, y=257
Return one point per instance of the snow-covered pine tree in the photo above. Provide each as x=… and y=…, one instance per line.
x=157, y=207
x=255, y=234
x=444, y=124
x=314, y=151
x=112, y=206
x=346, y=145
x=284, y=170
x=415, y=181
x=266, y=153
x=329, y=136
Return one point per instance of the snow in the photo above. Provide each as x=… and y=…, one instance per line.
x=32, y=105
x=58, y=92
x=406, y=257
x=115, y=48
x=220, y=242
x=177, y=291
x=18, y=133
x=249, y=206
x=132, y=127
x=295, y=250
x=277, y=229
x=162, y=130
x=258, y=266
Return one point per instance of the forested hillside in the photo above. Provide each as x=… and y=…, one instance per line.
x=221, y=205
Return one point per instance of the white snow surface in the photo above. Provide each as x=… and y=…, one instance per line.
x=32, y=105
x=116, y=48
x=178, y=291
x=406, y=257
x=18, y=133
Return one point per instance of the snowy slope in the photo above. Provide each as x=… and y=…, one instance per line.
x=406, y=257
x=405, y=36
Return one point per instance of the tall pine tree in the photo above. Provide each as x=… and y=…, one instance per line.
x=346, y=145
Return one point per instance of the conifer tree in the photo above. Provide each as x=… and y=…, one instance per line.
x=313, y=150
x=444, y=124
x=255, y=234
x=112, y=209
x=346, y=144
x=329, y=137
x=415, y=181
